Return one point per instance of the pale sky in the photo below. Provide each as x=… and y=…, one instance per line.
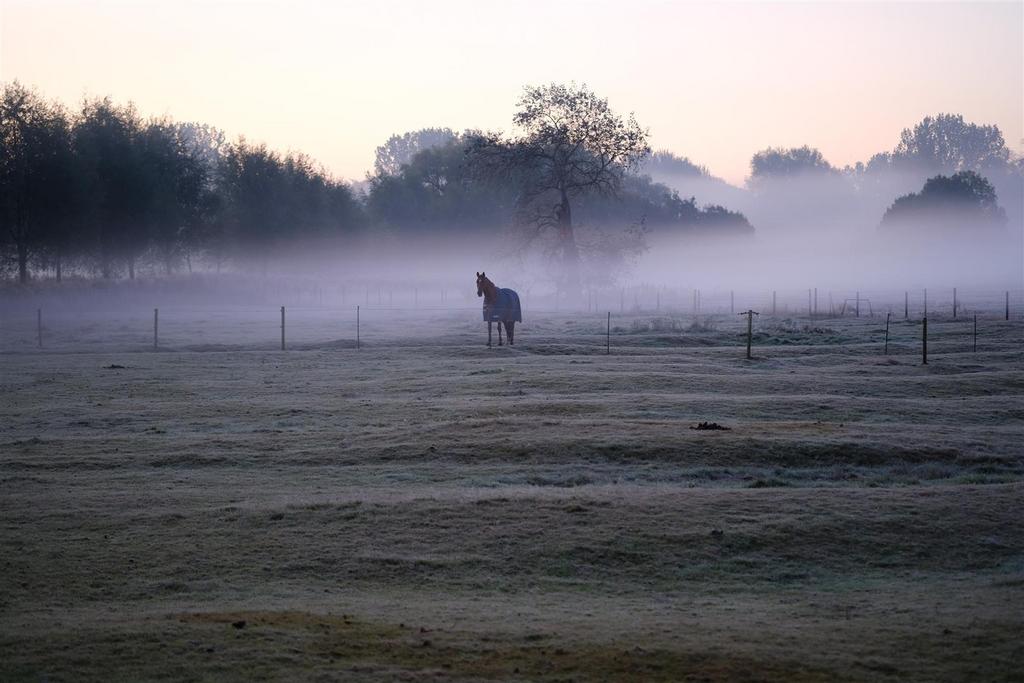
x=712, y=81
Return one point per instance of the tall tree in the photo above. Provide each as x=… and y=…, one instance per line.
x=948, y=143
x=175, y=178
x=570, y=144
x=399, y=150
x=779, y=163
x=963, y=199
x=35, y=173
x=107, y=144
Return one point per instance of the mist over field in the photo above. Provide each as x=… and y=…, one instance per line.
x=533, y=341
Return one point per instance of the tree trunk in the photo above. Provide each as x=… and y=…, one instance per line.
x=567, y=241
x=23, y=263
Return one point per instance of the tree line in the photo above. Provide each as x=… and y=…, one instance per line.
x=103, y=190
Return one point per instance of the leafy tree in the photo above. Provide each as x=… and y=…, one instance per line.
x=776, y=163
x=175, y=178
x=35, y=173
x=947, y=143
x=948, y=201
x=439, y=189
x=665, y=163
x=400, y=149
x=571, y=144
x=113, y=185
x=660, y=208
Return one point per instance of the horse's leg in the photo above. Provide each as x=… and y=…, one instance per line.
x=510, y=327
x=500, y=343
x=488, y=333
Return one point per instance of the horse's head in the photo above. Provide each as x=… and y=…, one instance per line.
x=481, y=279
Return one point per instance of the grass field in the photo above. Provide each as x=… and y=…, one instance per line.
x=428, y=509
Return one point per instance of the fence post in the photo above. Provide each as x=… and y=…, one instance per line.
x=357, y=327
x=622, y=300
x=810, y=310
x=924, y=340
x=954, y=303
x=732, y=302
x=857, y=308
x=608, y=335
x=926, y=302
x=773, y=306
x=1007, y=304
x=750, y=328
x=887, y=316
x=815, y=301
x=156, y=321
x=39, y=326
x=975, y=332
x=906, y=304
x=282, y=328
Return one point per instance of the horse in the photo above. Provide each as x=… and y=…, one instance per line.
x=500, y=306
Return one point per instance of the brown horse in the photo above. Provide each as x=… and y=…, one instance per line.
x=500, y=306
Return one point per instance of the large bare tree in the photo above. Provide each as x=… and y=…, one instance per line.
x=569, y=143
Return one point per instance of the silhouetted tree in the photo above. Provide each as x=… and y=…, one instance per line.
x=948, y=201
x=175, y=182
x=114, y=188
x=438, y=189
x=778, y=163
x=665, y=163
x=572, y=144
x=947, y=143
x=35, y=174
x=400, y=149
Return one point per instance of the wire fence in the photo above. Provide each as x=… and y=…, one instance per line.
x=676, y=317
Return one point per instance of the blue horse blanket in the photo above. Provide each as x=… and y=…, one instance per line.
x=505, y=309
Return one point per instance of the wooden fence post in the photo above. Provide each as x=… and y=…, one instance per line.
x=608, y=335
x=924, y=340
x=954, y=303
x=156, y=321
x=975, y=332
x=357, y=327
x=906, y=304
x=773, y=305
x=282, y=328
x=887, y=316
x=39, y=326
x=732, y=302
x=1007, y=304
x=750, y=329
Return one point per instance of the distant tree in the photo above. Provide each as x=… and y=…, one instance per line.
x=114, y=188
x=35, y=174
x=176, y=182
x=438, y=190
x=571, y=144
x=947, y=143
x=779, y=163
x=661, y=208
x=207, y=145
x=400, y=149
x=963, y=198
x=666, y=163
